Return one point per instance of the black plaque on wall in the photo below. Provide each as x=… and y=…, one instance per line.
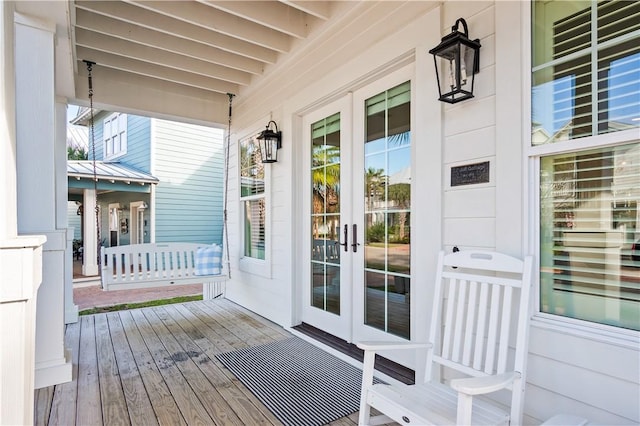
x=470, y=174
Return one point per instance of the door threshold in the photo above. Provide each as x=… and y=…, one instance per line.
x=388, y=367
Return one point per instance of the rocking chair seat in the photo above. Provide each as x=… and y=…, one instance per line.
x=430, y=404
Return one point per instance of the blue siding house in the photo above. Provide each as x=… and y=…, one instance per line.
x=157, y=180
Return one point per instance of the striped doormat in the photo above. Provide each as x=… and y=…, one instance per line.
x=301, y=384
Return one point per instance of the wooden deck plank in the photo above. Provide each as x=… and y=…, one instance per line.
x=136, y=397
x=209, y=347
x=246, y=334
x=63, y=406
x=201, y=327
x=42, y=405
x=163, y=403
x=88, y=408
x=188, y=403
x=216, y=322
x=185, y=359
x=114, y=407
x=245, y=409
x=135, y=348
x=270, y=328
x=210, y=335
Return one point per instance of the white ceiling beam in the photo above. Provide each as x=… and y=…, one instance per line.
x=131, y=50
x=142, y=18
x=319, y=9
x=157, y=71
x=116, y=90
x=159, y=40
x=217, y=21
x=271, y=14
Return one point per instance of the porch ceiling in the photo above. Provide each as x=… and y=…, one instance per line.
x=176, y=52
x=212, y=46
x=178, y=59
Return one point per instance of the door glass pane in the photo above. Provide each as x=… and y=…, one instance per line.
x=325, y=214
x=387, y=198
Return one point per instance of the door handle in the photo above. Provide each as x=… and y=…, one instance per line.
x=355, y=243
x=346, y=238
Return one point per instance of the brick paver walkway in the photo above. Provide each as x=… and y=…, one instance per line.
x=93, y=296
x=88, y=294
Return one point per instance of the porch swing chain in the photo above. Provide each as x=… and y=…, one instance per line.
x=226, y=185
x=93, y=154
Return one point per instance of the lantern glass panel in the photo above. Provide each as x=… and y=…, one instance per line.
x=272, y=149
x=456, y=72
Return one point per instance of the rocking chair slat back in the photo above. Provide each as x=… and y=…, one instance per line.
x=477, y=312
x=478, y=295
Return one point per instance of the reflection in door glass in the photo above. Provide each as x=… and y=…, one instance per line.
x=387, y=192
x=325, y=214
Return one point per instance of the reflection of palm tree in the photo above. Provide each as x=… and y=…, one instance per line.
x=400, y=139
x=325, y=178
x=375, y=181
x=400, y=193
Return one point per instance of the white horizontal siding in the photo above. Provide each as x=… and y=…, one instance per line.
x=456, y=203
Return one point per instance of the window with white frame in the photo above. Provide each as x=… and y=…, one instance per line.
x=585, y=117
x=114, y=134
x=252, y=199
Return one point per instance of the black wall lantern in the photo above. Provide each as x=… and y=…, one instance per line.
x=269, y=143
x=459, y=65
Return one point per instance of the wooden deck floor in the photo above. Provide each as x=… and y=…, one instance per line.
x=157, y=366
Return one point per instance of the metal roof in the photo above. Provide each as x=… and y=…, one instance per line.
x=113, y=172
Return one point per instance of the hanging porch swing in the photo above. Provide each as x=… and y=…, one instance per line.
x=148, y=265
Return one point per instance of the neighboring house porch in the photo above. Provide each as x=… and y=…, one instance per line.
x=123, y=196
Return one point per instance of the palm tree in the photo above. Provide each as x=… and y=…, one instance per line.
x=77, y=153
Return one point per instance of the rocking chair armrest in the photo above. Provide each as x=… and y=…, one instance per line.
x=483, y=385
x=384, y=346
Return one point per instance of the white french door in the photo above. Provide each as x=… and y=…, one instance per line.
x=357, y=214
x=327, y=266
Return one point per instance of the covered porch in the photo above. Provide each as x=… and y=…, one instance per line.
x=158, y=365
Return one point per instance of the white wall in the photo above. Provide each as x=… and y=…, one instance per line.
x=570, y=371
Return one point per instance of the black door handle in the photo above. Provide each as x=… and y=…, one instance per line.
x=346, y=238
x=355, y=244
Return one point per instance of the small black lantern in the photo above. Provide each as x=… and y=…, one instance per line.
x=461, y=63
x=270, y=142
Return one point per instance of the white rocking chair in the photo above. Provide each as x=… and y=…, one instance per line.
x=468, y=352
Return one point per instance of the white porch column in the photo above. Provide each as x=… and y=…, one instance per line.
x=70, y=309
x=20, y=257
x=62, y=219
x=39, y=173
x=90, y=237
